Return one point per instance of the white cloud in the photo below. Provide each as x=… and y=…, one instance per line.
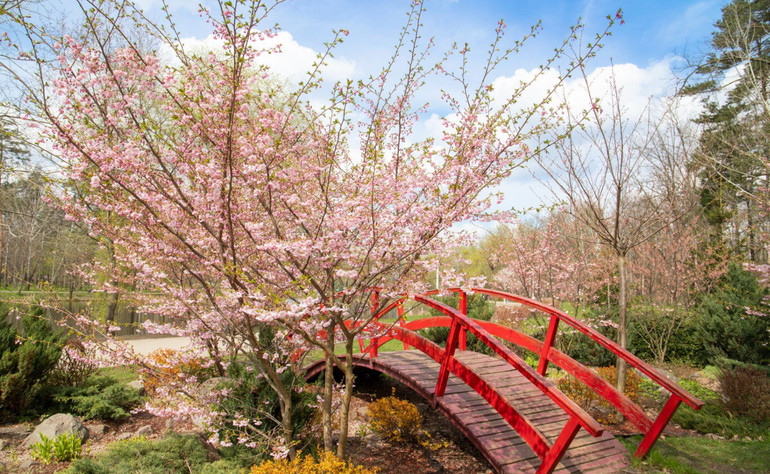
x=291, y=61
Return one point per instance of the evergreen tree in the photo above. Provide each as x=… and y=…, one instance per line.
x=733, y=148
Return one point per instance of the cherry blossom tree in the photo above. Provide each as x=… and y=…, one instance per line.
x=260, y=224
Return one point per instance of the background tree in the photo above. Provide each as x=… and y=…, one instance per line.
x=733, y=80
x=602, y=171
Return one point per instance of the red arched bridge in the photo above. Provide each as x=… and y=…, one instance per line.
x=516, y=417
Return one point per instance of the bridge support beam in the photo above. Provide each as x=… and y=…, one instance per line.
x=560, y=446
x=550, y=337
x=657, y=427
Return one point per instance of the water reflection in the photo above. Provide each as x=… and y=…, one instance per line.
x=126, y=316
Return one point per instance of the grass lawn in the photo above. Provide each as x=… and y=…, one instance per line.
x=122, y=374
x=703, y=455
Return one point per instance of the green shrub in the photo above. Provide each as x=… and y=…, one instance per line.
x=100, y=397
x=76, y=364
x=174, y=453
x=724, y=326
x=26, y=359
x=63, y=448
x=251, y=398
x=584, y=349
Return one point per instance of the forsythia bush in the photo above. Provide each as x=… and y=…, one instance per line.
x=327, y=464
x=592, y=402
x=395, y=419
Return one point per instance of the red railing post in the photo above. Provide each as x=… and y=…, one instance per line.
x=373, y=347
x=375, y=301
x=449, y=352
x=462, y=306
x=374, y=304
x=657, y=427
x=550, y=337
x=559, y=447
x=401, y=319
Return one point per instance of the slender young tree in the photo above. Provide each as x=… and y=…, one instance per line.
x=604, y=171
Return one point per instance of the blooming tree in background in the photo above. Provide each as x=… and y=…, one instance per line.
x=256, y=223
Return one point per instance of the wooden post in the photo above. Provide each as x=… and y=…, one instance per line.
x=550, y=336
x=657, y=427
x=449, y=351
x=558, y=449
x=462, y=306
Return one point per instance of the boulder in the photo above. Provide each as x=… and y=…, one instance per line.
x=144, y=431
x=137, y=384
x=56, y=425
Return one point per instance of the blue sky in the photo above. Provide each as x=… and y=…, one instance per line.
x=653, y=29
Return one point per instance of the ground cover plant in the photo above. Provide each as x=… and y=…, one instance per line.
x=173, y=453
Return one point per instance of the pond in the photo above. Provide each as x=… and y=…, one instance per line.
x=127, y=317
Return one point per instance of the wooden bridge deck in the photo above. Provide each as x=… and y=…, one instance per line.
x=492, y=435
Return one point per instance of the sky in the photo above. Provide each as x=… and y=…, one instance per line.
x=653, y=46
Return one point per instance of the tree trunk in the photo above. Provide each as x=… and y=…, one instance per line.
x=328, y=394
x=112, y=306
x=286, y=420
x=620, y=364
x=346, y=397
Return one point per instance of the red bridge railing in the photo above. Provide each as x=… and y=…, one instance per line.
x=460, y=325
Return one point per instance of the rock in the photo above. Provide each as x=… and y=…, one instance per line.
x=98, y=430
x=28, y=464
x=3, y=444
x=124, y=436
x=56, y=425
x=145, y=430
x=170, y=424
x=18, y=431
x=137, y=384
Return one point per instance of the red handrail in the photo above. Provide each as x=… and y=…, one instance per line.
x=550, y=455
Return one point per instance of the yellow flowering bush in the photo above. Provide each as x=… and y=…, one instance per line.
x=395, y=419
x=328, y=463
